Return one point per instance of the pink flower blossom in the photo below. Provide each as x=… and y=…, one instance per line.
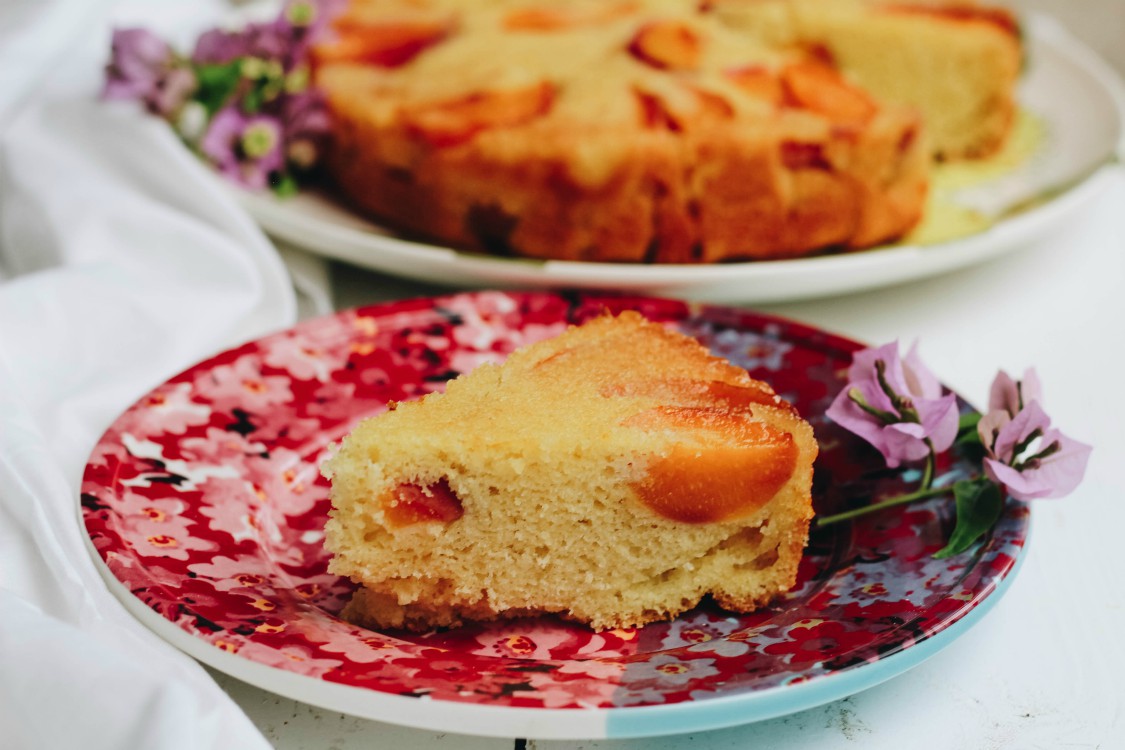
x=1011, y=395
x=307, y=128
x=285, y=38
x=896, y=404
x=248, y=149
x=1026, y=456
x=143, y=67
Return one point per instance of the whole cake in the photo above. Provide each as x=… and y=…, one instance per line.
x=614, y=475
x=661, y=131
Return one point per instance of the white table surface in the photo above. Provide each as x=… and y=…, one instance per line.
x=1044, y=668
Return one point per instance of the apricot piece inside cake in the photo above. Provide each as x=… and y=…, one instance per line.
x=614, y=475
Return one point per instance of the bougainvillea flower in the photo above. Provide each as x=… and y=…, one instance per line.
x=285, y=39
x=247, y=149
x=172, y=91
x=242, y=99
x=1010, y=395
x=896, y=404
x=1029, y=458
x=312, y=15
x=260, y=41
x=307, y=128
x=143, y=67
x=139, y=59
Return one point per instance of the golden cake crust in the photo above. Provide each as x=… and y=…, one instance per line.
x=636, y=131
x=614, y=475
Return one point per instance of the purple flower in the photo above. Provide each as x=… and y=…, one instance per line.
x=246, y=149
x=896, y=405
x=313, y=15
x=143, y=67
x=1024, y=454
x=285, y=40
x=139, y=59
x=172, y=92
x=276, y=40
x=218, y=46
x=307, y=127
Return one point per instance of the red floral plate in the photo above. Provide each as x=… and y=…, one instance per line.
x=205, y=504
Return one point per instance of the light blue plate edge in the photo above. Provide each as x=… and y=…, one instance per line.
x=719, y=713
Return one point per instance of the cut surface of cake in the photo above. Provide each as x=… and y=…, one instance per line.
x=660, y=131
x=614, y=475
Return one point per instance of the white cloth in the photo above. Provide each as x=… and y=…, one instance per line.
x=122, y=261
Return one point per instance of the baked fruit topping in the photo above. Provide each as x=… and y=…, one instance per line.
x=385, y=45
x=450, y=122
x=669, y=45
x=727, y=466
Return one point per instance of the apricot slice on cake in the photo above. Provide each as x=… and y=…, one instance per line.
x=707, y=481
x=818, y=87
x=757, y=81
x=560, y=18
x=386, y=45
x=454, y=121
x=669, y=45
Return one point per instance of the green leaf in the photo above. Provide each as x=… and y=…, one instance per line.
x=967, y=428
x=217, y=82
x=979, y=504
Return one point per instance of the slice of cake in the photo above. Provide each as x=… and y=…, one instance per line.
x=614, y=475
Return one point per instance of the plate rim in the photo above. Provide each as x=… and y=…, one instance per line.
x=625, y=722
x=561, y=723
x=834, y=273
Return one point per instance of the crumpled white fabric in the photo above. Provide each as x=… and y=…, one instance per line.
x=122, y=261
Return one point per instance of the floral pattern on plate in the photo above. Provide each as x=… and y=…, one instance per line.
x=205, y=500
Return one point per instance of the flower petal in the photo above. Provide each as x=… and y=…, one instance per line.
x=1019, y=431
x=138, y=61
x=940, y=419
x=904, y=441
x=1063, y=470
x=989, y=427
x=1051, y=477
x=921, y=382
x=1012, y=395
x=1004, y=394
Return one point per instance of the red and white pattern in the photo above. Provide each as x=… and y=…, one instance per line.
x=205, y=500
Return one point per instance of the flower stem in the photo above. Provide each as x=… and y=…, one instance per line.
x=928, y=471
x=910, y=497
